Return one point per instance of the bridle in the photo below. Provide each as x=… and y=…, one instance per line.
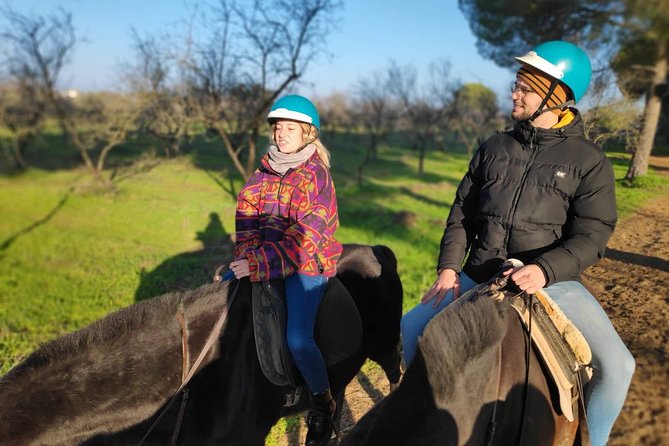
x=186, y=372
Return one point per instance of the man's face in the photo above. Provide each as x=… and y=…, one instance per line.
x=525, y=100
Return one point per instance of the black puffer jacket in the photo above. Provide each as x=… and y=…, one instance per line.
x=543, y=196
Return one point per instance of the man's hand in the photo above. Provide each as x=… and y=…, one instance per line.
x=528, y=278
x=240, y=268
x=446, y=280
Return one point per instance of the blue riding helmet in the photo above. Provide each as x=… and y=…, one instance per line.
x=563, y=61
x=297, y=108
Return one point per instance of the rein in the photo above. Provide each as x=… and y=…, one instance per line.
x=497, y=285
x=186, y=374
x=528, y=351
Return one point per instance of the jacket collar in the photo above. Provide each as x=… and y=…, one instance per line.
x=264, y=164
x=569, y=125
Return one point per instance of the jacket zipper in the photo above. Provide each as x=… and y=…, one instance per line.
x=516, y=196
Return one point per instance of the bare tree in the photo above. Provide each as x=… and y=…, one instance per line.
x=23, y=115
x=251, y=55
x=167, y=114
x=374, y=111
x=336, y=117
x=101, y=124
x=38, y=48
x=35, y=49
x=424, y=107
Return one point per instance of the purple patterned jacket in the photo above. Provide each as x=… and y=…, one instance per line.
x=286, y=224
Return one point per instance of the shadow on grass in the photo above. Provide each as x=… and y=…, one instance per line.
x=424, y=199
x=12, y=238
x=190, y=269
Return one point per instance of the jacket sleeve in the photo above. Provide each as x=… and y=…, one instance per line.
x=461, y=224
x=247, y=232
x=302, y=239
x=590, y=223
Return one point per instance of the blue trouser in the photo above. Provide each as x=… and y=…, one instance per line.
x=612, y=362
x=413, y=323
x=303, y=296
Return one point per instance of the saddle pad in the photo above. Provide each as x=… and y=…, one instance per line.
x=569, y=332
x=564, y=366
x=338, y=330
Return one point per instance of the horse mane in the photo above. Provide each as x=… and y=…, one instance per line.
x=67, y=388
x=115, y=329
x=459, y=340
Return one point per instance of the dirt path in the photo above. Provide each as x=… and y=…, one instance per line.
x=632, y=283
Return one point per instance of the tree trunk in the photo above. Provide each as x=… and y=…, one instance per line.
x=251, y=161
x=421, y=160
x=651, y=116
x=17, y=154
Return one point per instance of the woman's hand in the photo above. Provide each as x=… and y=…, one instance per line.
x=528, y=278
x=446, y=280
x=240, y=268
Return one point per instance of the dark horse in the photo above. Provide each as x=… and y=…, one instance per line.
x=107, y=383
x=469, y=384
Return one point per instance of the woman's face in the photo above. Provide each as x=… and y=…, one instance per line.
x=288, y=135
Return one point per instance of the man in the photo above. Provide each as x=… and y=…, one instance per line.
x=543, y=194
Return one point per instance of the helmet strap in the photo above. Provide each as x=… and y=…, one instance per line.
x=541, y=110
x=559, y=106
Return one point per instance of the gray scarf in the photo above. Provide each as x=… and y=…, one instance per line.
x=281, y=162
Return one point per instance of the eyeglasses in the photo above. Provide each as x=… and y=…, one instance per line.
x=522, y=90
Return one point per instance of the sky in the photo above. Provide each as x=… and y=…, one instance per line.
x=372, y=33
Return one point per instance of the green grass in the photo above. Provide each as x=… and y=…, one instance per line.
x=71, y=251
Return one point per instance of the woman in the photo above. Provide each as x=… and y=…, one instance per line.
x=285, y=223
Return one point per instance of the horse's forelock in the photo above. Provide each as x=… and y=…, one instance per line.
x=460, y=333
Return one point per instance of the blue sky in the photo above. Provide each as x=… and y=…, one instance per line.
x=371, y=34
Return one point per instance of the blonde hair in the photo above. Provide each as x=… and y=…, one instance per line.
x=309, y=136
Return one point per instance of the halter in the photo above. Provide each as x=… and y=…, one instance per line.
x=186, y=374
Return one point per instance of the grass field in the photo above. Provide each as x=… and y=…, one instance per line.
x=71, y=251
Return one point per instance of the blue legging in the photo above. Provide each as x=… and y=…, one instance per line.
x=612, y=362
x=303, y=296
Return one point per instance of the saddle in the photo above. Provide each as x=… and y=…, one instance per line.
x=338, y=331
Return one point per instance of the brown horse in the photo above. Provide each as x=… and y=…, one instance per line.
x=473, y=382
x=108, y=383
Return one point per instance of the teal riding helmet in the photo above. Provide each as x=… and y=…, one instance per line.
x=563, y=61
x=297, y=108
